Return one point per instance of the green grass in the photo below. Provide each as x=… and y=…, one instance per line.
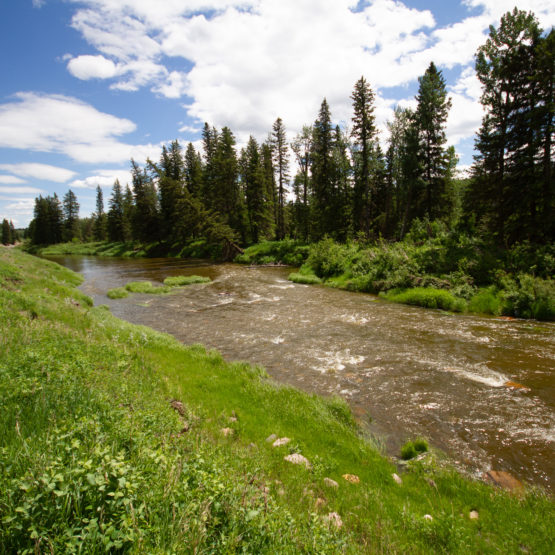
x=178, y=281
x=146, y=287
x=303, y=278
x=288, y=252
x=95, y=459
x=117, y=293
x=427, y=297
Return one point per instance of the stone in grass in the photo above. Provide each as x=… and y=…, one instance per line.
x=319, y=503
x=281, y=441
x=296, y=458
x=271, y=438
x=428, y=517
x=473, y=515
x=227, y=431
x=397, y=479
x=331, y=483
x=353, y=478
x=335, y=520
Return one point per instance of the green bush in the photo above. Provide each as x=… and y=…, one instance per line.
x=177, y=281
x=408, y=451
x=328, y=258
x=288, y=252
x=420, y=445
x=486, y=301
x=527, y=296
x=117, y=293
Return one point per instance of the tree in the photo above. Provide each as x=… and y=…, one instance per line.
x=193, y=171
x=6, y=232
x=116, y=215
x=70, y=217
x=171, y=176
x=99, y=225
x=145, y=222
x=511, y=193
x=431, y=116
x=302, y=146
x=364, y=135
x=280, y=150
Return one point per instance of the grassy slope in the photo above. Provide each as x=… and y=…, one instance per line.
x=93, y=457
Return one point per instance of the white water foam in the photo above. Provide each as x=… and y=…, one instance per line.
x=334, y=360
x=479, y=373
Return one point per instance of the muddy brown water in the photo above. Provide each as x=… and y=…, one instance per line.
x=412, y=371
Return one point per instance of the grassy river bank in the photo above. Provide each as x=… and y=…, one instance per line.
x=119, y=438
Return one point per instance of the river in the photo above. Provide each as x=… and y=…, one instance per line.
x=480, y=388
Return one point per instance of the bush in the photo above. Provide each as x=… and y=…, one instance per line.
x=413, y=448
x=528, y=296
x=328, y=258
x=117, y=293
x=486, y=301
x=428, y=298
x=177, y=281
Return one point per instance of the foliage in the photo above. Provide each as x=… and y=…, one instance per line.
x=117, y=293
x=289, y=252
x=427, y=297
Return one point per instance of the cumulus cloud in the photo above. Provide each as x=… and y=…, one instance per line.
x=91, y=67
x=62, y=124
x=20, y=190
x=104, y=178
x=45, y=172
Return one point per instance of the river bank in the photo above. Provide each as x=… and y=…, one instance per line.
x=432, y=268
x=170, y=443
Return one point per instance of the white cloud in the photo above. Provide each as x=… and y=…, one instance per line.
x=10, y=179
x=20, y=190
x=104, y=178
x=57, y=123
x=250, y=61
x=91, y=67
x=44, y=172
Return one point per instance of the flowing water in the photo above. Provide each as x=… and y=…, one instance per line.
x=480, y=388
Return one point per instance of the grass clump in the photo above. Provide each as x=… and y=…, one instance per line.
x=112, y=442
x=412, y=449
x=306, y=279
x=427, y=297
x=146, y=287
x=117, y=293
x=178, y=281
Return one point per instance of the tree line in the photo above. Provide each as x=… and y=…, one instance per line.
x=345, y=185
x=9, y=233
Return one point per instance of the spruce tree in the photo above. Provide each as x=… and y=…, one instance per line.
x=364, y=135
x=302, y=146
x=193, y=171
x=145, y=222
x=116, y=216
x=6, y=232
x=71, y=217
x=99, y=225
x=13, y=234
x=280, y=150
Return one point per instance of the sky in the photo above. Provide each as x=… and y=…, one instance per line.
x=86, y=85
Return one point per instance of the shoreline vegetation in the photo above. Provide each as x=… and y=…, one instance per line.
x=119, y=438
x=432, y=268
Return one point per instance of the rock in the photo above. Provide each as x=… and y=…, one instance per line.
x=281, y=492
x=281, y=441
x=227, y=431
x=319, y=503
x=271, y=438
x=233, y=419
x=331, y=483
x=178, y=406
x=296, y=458
x=473, y=515
x=428, y=517
x=252, y=446
x=397, y=479
x=503, y=480
x=516, y=385
x=335, y=520
x=354, y=479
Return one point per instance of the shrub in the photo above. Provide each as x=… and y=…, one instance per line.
x=408, y=451
x=486, y=301
x=528, y=296
x=117, y=293
x=177, y=281
x=421, y=445
x=327, y=258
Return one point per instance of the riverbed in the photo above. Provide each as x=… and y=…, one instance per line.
x=480, y=388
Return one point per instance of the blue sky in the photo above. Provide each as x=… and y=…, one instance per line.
x=88, y=84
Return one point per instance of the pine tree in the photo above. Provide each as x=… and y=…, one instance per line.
x=145, y=222
x=431, y=116
x=6, y=232
x=280, y=150
x=364, y=134
x=193, y=171
x=270, y=187
x=13, y=234
x=171, y=176
x=99, y=225
x=71, y=217
x=116, y=216
x=302, y=146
